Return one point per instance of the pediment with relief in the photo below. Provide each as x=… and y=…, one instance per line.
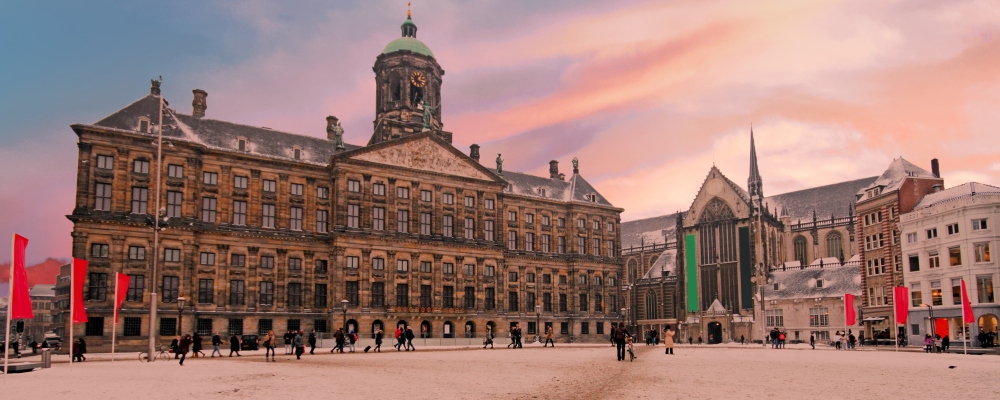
x=424, y=154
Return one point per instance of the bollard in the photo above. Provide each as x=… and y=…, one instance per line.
x=46, y=358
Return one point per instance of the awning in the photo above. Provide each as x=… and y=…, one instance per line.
x=873, y=319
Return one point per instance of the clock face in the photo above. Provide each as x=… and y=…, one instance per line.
x=417, y=79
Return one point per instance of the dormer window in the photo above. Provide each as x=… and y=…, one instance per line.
x=143, y=125
x=297, y=154
x=775, y=286
x=873, y=192
x=592, y=198
x=541, y=192
x=819, y=283
x=241, y=145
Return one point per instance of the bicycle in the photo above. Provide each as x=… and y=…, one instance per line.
x=160, y=354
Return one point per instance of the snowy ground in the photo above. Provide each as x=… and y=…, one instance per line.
x=570, y=372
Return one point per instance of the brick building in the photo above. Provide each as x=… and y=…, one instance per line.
x=273, y=230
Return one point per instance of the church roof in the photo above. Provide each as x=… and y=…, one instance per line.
x=801, y=283
x=410, y=44
x=893, y=177
x=835, y=199
x=665, y=265
x=220, y=135
x=576, y=189
x=965, y=190
x=655, y=230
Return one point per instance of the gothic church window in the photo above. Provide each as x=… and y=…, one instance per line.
x=800, y=249
x=834, y=246
x=651, y=306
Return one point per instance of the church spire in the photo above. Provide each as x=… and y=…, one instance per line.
x=754, y=182
x=409, y=28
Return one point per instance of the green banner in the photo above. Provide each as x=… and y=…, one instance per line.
x=691, y=268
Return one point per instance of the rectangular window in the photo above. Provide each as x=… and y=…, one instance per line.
x=956, y=292
x=207, y=258
x=512, y=240
x=378, y=218
x=488, y=231
x=353, y=186
x=206, y=291
x=140, y=200
x=426, y=196
x=320, y=267
x=425, y=266
x=208, y=207
x=581, y=223
x=984, y=288
x=952, y=229
x=351, y=289
x=470, y=297
x=489, y=271
x=470, y=201
x=140, y=166
x=448, y=296
x=297, y=189
x=529, y=277
x=136, y=286
x=937, y=298
x=512, y=303
x=264, y=325
x=322, y=219
x=136, y=253
x=512, y=276
x=353, y=215
x=295, y=218
x=425, y=295
x=239, y=212
x=584, y=305
x=448, y=198
x=353, y=262
x=238, y=260
x=402, y=192
x=598, y=303
x=932, y=233
x=562, y=222
x=584, y=328
x=378, y=263
x=320, y=325
x=168, y=326
x=103, y=197
x=561, y=249
x=237, y=292
x=529, y=218
x=319, y=296
x=294, y=264
x=470, y=270
x=266, y=293
x=240, y=182
x=489, y=204
x=933, y=260
x=914, y=262
x=611, y=248
x=775, y=317
x=171, y=286
x=470, y=228
x=174, y=201
x=955, y=255
x=267, y=262
x=378, y=189
x=581, y=245
x=322, y=192
x=911, y=237
x=597, y=225
x=235, y=326
x=562, y=279
x=425, y=224
x=547, y=302
x=490, y=298
x=979, y=224
x=267, y=216
x=596, y=247
x=546, y=279
x=563, y=303
x=105, y=162
x=819, y=316
x=95, y=326
x=448, y=223
x=448, y=268
x=529, y=241
x=402, y=265
x=133, y=326
x=564, y=328
x=295, y=294
x=916, y=295
x=98, y=287
x=512, y=216
x=402, y=295
x=403, y=221
x=210, y=178
x=982, y=251
x=270, y=186
x=204, y=327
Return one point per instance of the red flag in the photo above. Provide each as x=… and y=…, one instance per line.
x=120, y=291
x=20, y=301
x=849, y=310
x=966, y=306
x=902, y=304
x=79, y=273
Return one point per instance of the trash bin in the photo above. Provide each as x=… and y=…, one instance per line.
x=46, y=358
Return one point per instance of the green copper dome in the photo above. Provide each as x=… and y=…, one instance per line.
x=408, y=43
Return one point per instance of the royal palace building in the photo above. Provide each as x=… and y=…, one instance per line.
x=263, y=229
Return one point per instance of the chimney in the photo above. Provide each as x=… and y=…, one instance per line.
x=936, y=188
x=935, y=168
x=474, y=152
x=200, y=103
x=554, y=169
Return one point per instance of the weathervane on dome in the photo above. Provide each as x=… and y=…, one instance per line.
x=407, y=10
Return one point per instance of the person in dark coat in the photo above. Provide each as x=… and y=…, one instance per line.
x=378, y=340
x=338, y=337
x=620, y=334
x=77, y=351
x=216, y=342
x=409, y=339
x=183, y=347
x=298, y=344
x=234, y=345
x=83, y=349
x=196, y=346
x=312, y=342
x=288, y=342
x=400, y=338
x=173, y=346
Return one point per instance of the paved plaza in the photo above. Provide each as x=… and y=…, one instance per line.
x=565, y=372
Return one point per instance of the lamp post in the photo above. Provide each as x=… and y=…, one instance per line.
x=538, y=326
x=622, y=314
x=180, y=315
x=930, y=309
x=151, y=350
x=343, y=307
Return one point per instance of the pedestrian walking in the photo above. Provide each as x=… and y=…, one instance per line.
x=668, y=340
x=620, y=334
x=352, y=339
x=400, y=338
x=299, y=344
x=548, y=337
x=77, y=351
x=409, y=339
x=216, y=342
x=613, y=334
x=183, y=347
x=196, y=346
x=489, y=338
x=743, y=340
x=234, y=345
x=83, y=350
x=928, y=343
x=378, y=340
x=288, y=342
x=517, y=336
x=174, y=346
x=656, y=337
x=312, y=342
x=338, y=338
x=269, y=346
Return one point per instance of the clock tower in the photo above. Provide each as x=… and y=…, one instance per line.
x=407, y=88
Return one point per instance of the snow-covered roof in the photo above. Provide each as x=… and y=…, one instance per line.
x=576, y=189
x=962, y=191
x=222, y=135
x=801, y=283
x=655, y=230
x=893, y=177
x=42, y=290
x=829, y=200
x=665, y=265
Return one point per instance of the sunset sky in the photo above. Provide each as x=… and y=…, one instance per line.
x=647, y=94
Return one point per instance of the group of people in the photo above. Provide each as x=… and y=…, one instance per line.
x=987, y=339
x=936, y=343
x=346, y=339
x=622, y=339
x=652, y=337
x=777, y=338
x=515, y=337
x=844, y=341
x=180, y=346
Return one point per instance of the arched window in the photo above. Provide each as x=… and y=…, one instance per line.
x=470, y=329
x=449, y=329
x=800, y=249
x=425, y=329
x=632, y=270
x=651, y=305
x=835, y=246
x=378, y=325
x=397, y=90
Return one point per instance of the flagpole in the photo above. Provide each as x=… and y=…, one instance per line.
x=72, y=307
x=114, y=324
x=965, y=325
x=10, y=304
x=893, y=315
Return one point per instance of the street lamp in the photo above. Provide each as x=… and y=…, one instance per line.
x=538, y=326
x=622, y=314
x=180, y=315
x=930, y=309
x=343, y=306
